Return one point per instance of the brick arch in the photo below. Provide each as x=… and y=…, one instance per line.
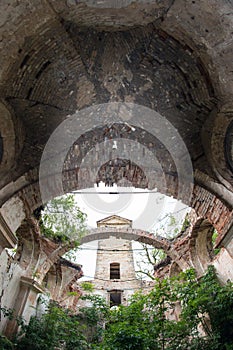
x=37, y=60
x=206, y=204
x=128, y=234
x=138, y=148
x=39, y=67
x=139, y=236
x=40, y=73
x=118, y=170
x=122, y=174
x=200, y=245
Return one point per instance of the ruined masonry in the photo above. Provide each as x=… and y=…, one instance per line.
x=115, y=278
x=128, y=92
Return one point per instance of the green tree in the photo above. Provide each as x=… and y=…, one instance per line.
x=57, y=328
x=94, y=317
x=144, y=324
x=5, y=344
x=147, y=259
x=208, y=297
x=62, y=220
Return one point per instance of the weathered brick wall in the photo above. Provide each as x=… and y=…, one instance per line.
x=208, y=206
x=60, y=56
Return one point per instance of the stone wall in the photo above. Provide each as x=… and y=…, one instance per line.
x=35, y=268
x=59, y=57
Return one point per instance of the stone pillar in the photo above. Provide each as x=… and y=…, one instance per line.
x=227, y=241
x=27, y=296
x=7, y=237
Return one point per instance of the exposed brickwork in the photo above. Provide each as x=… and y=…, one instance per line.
x=52, y=62
x=212, y=208
x=205, y=204
x=130, y=234
x=56, y=63
x=64, y=65
x=59, y=56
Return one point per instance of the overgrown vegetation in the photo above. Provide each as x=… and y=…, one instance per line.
x=149, y=257
x=205, y=304
x=205, y=320
x=62, y=220
x=214, y=239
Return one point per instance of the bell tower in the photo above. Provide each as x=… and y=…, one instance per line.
x=115, y=273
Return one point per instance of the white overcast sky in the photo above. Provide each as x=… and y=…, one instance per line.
x=146, y=210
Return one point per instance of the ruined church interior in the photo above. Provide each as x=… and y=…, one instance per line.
x=129, y=92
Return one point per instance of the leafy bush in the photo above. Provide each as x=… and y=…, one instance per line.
x=57, y=328
x=205, y=304
x=5, y=344
x=143, y=324
x=62, y=220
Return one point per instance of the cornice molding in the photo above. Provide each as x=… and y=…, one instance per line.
x=7, y=237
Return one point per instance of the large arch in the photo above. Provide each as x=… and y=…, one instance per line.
x=201, y=246
x=49, y=88
x=128, y=234
x=59, y=57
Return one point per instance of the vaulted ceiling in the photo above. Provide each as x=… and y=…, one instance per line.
x=60, y=57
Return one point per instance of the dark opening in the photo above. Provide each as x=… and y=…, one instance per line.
x=114, y=271
x=229, y=146
x=115, y=298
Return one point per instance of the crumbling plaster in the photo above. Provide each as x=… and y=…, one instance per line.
x=60, y=56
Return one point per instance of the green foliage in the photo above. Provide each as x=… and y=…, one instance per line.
x=214, y=239
x=208, y=296
x=214, y=236
x=97, y=311
x=186, y=224
x=149, y=257
x=144, y=324
x=72, y=294
x=56, y=328
x=62, y=220
x=87, y=286
x=94, y=317
x=205, y=303
x=5, y=344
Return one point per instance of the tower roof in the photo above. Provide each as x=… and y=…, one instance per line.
x=114, y=221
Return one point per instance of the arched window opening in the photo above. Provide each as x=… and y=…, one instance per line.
x=201, y=245
x=115, y=271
